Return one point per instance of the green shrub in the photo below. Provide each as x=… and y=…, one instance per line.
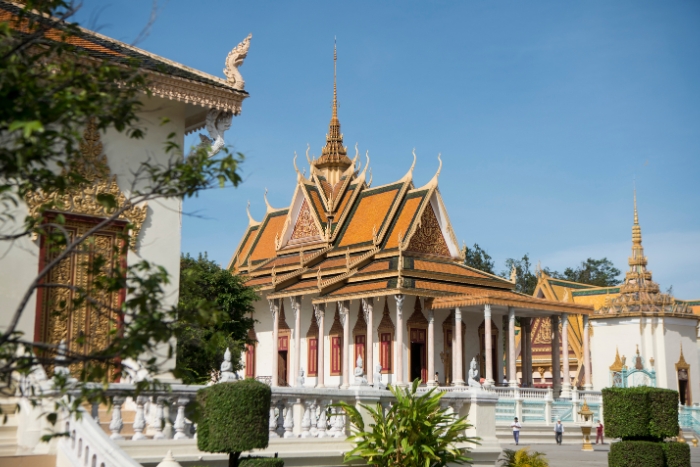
x=235, y=417
x=640, y=413
x=677, y=454
x=522, y=458
x=664, y=413
x=636, y=454
x=261, y=462
x=415, y=432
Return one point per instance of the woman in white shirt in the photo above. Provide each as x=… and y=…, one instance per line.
x=516, y=426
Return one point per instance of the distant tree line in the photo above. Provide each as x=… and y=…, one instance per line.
x=598, y=272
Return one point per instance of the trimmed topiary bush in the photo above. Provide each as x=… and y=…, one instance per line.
x=235, y=418
x=640, y=413
x=677, y=454
x=261, y=462
x=663, y=406
x=636, y=454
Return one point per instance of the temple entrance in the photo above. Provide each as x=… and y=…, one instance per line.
x=282, y=360
x=683, y=387
x=418, y=363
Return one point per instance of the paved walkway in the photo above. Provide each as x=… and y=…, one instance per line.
x=571, y=455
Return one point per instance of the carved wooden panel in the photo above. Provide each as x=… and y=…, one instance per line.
x=305, y=226
x=428, y=237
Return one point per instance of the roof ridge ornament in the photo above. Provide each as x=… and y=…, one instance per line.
x=267, y=203
x=251, y=221
x=308, y=159
x=234, y=59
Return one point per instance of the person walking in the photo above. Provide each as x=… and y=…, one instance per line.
x=599, y=433
x=516, y=426
x=558, y=431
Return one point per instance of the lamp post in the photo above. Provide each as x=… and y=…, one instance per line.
x=586, y=413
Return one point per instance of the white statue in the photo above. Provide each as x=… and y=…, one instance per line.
x=378, y=384
x=473, y=375
x=217, y=122
x=227, y=374
x=234, y=60
x=360, y=379
x=300, y=378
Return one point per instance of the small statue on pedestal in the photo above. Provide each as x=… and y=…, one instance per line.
x=360, y=379
x=378, y=384
x=473, y=375
x=227, y=375
x=300, y=379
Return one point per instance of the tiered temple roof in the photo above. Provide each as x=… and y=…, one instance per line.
x=341, y=238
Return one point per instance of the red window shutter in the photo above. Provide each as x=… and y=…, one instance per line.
x=336, y=356
x=313, y=356
x=250, y=361
x=385, y=351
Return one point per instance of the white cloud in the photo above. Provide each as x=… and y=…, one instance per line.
x=674, y=259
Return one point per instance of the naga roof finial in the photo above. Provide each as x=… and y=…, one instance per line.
x=234, y=60
x=251, y=221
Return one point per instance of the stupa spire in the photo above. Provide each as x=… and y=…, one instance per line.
x=334, y=156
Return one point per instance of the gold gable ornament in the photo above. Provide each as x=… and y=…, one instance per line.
x=93, y=167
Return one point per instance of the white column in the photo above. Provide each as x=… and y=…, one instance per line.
x=556, y=364
x=274, y=310
x=431, y=348
x=344, y=310
x=528, y=337
x=566, y=386
x=458, y=379
x=588, y=386
x=399, y=340
x=512, y=382
x=500, y=351
x=488, y=344
x=296, y=309
x=525, y=366
x=320, y=312
x=368, y=309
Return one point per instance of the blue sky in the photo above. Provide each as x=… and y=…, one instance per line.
x=544, y=112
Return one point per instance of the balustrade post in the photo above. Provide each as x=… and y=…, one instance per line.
x=340, y=423
x=518, y=404
x=139, y=420
x=116, y=424
x=289, y=419
x=333, y=421
x=322, y=419
x=160, y=422
x=168, y=429
x=272, y=424
x=548, y=401
x=280, y=418
x=95, y=412
x=313, y=418
x=180, y=419
x=306, y=419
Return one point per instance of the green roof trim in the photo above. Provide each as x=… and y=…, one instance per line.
x=583, y=293
x=570, y=285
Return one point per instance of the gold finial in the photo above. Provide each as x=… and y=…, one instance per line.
x=334, y=154
x=636, y=218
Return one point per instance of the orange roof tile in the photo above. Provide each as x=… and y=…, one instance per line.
x=243, y=252
x=445, y=268
x=259, y=281
x=318, y=206
x=375, y=266
x=344, y=202
x=370, y=213
x=360, y=287
x=264, y=246
x=403, y=221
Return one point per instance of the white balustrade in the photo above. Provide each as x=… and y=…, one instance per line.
x=89, y=445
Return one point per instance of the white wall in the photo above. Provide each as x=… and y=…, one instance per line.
x=660, y=338
x=159, y=240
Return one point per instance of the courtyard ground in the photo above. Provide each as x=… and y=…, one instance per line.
x=572, y=456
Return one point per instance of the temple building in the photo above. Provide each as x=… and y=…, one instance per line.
x=360, y=283
x=639, y=336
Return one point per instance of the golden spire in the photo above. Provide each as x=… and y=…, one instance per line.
x=334, y=154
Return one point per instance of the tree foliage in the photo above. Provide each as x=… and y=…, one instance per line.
x=414, y=432
x=599, y=272
x=525, y=279
x=205, y=288
x=478, y=259
x=50, y=90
